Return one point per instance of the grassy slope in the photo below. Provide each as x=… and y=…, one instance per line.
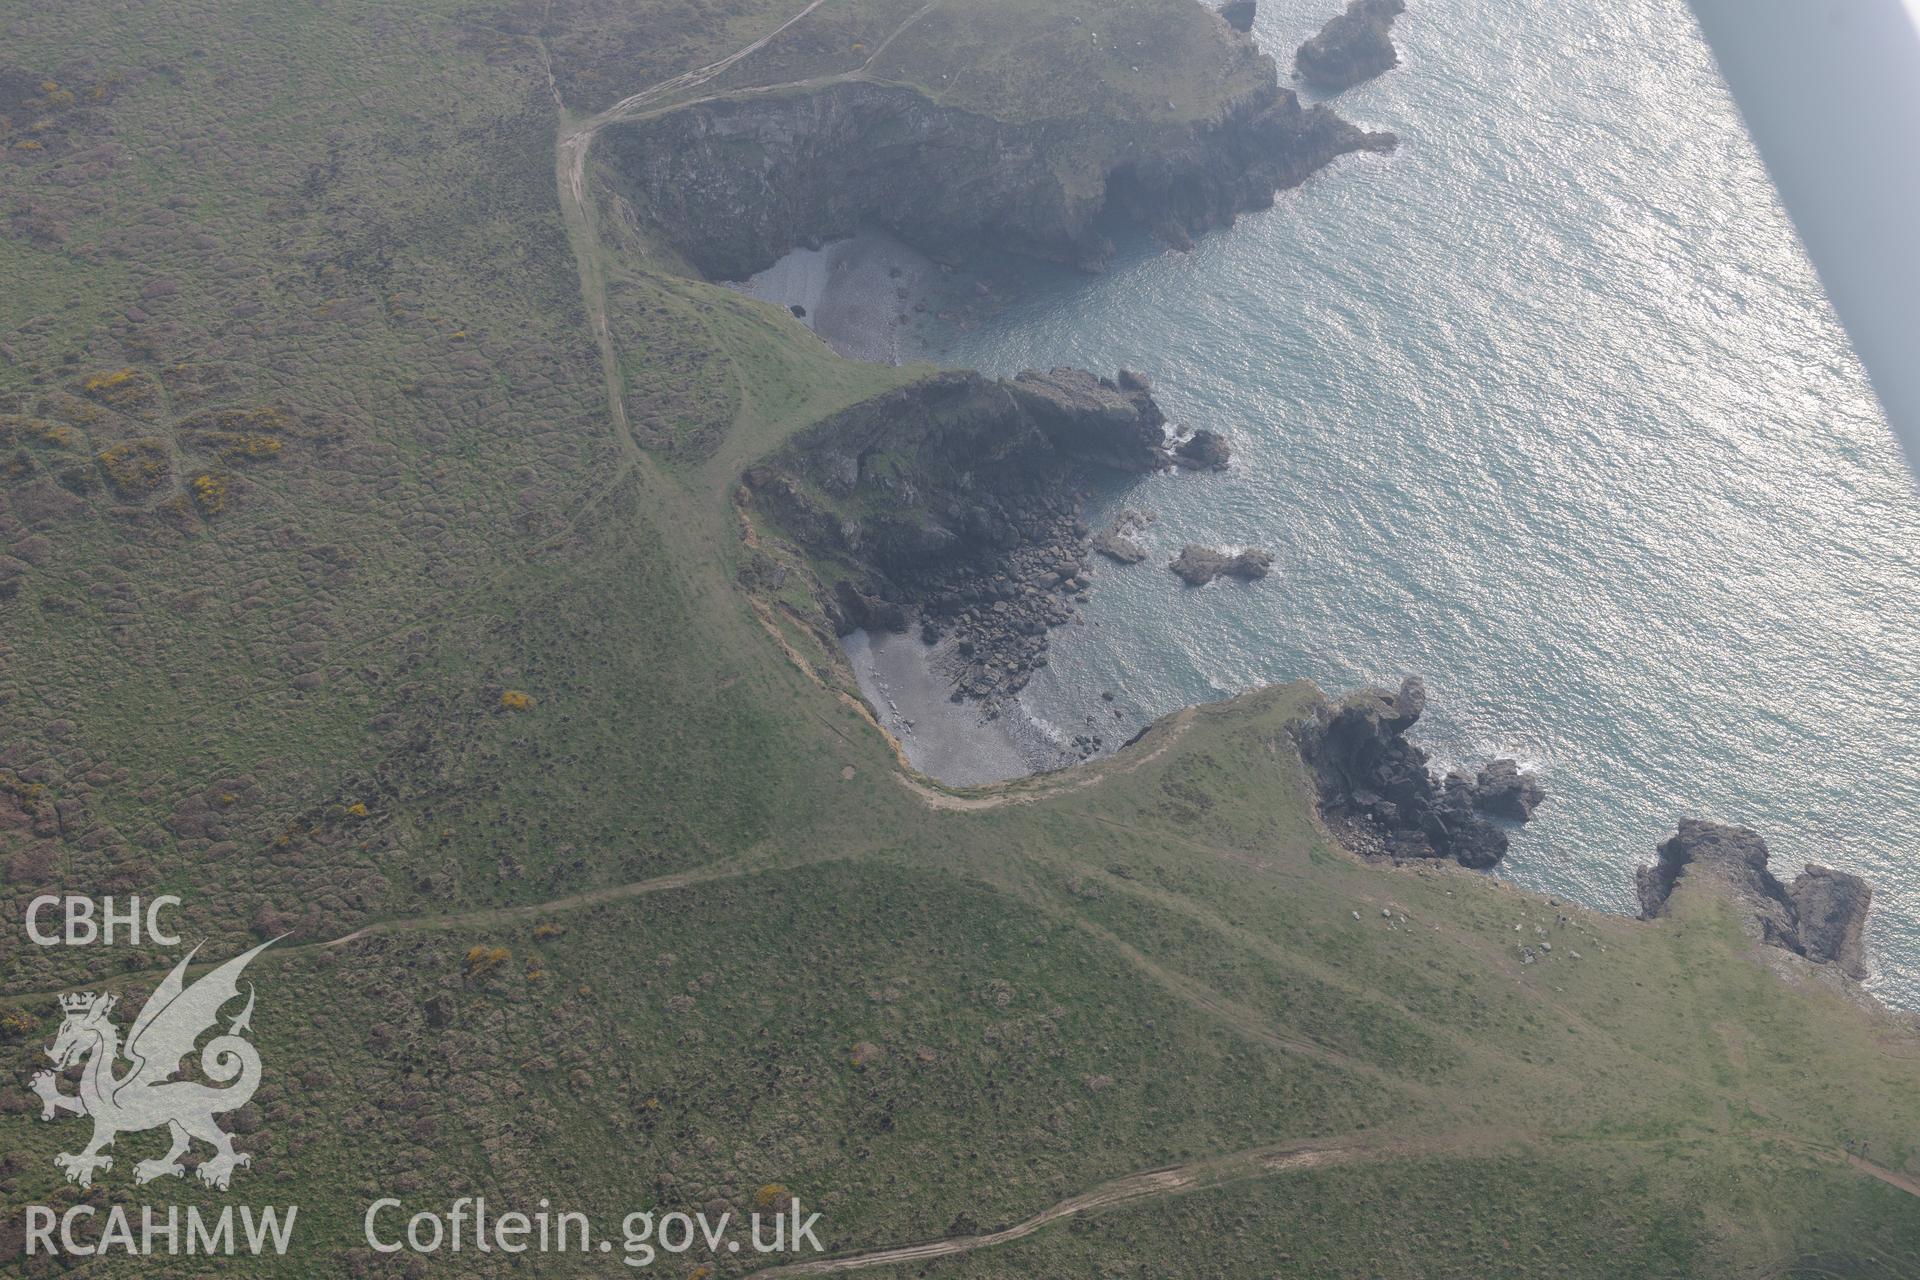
x=1159, y=966
x=1105, y=58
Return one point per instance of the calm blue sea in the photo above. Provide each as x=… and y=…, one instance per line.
x=1549, y=408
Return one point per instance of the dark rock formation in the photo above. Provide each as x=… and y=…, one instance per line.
x=1376, y=793
x=854, y=610
x=1240, y=14
x=1506, y=792
x=955, y=500
x=1204, y=449
x=1830, y=908
x=1821, y=916
x=1200, y=565
x=733, y=183
x=1735, y=860
x=1114, y=424
x=1357, y=45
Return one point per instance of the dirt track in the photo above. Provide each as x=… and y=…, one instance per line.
x=1153, y=1184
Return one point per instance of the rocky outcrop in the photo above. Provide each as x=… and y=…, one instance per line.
x=1198, y=565
x=733, y=183
x=1830, y=907
x=1121, y=543
x=1504, y=790
x=1733, y=858
x=954, y=503
x=1239, y=14
x=1112, y=424
x=1822, y=915
x=1204, y=449
x=1355, y=46
x=854, y=610
x=1378, y=796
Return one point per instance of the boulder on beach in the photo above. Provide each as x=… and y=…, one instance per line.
x=1120, y=542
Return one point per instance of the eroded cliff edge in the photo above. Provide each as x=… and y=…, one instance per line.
x=1378, y=797
x=731, y=184
x=1822, y=915
x=952, y=505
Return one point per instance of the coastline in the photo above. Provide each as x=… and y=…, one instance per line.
x=908, y=685
x=858, y=298
x=862, y=296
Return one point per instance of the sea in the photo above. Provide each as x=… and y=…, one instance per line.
x=1547, y=407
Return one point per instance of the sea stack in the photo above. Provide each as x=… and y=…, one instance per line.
x=1356, y=45
x=1506, y=791
x=1121, y=542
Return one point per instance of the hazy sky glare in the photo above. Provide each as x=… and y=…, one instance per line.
x=1828, y=91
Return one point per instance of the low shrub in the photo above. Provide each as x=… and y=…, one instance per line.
x=135, y=468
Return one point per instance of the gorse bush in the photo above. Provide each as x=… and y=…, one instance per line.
x=124, y=389
x=135, y=468
x=483, y=960
x=210, y=493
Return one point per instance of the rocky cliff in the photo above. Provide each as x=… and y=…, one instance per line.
x=1379, y=798
x=1239, y=14
x=1354, y=46
x=1822, y=915
x=953, y=503
x=733, y=183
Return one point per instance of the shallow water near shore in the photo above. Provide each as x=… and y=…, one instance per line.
x=1547, y=407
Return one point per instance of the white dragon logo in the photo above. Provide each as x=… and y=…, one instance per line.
x=146, y=1096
